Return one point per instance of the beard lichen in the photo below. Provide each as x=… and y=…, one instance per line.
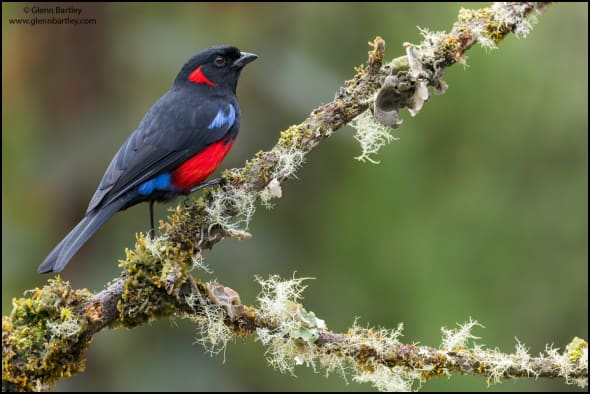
x=231, y=208
x=371, y=135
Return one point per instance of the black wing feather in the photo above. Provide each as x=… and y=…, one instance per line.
x=173, y=130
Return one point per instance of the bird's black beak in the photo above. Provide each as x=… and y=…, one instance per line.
x=244, y=59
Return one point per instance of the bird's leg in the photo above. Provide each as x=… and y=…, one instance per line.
x=152, y=231
x=215, y=181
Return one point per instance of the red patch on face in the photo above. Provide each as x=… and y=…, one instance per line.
x=197, y=76
x=196, y=169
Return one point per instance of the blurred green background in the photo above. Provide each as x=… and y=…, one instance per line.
x=479, y=210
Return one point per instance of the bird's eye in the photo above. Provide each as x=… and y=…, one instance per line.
x=220, y=61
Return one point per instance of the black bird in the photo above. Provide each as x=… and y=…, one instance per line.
x=179, y=142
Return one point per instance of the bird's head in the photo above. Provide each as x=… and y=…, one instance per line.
x=216, y=67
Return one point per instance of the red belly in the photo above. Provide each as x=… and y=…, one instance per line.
x=196, y=169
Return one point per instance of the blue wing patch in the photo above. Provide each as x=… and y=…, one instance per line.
x=222, y=119
x=161, y=182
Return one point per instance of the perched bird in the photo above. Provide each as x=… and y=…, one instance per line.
x=179, y=142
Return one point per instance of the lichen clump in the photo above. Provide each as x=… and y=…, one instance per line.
x=291, y=342
x=44, y=338
x=409, y=77
x=371, y=135
x=154, y=272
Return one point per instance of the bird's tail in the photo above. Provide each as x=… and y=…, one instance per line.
x=65, y=250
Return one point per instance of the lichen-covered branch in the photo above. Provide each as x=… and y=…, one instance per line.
x=45, y=337
x=48, y=331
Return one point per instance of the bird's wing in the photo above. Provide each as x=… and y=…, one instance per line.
x=170, y=133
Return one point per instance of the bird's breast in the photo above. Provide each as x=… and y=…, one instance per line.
x=198, y=168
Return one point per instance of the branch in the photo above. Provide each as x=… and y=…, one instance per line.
x=67, y=319
x=48, y=331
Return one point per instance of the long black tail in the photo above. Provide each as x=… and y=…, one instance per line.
x=65, y=250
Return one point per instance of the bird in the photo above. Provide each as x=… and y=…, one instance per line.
x=177, y=145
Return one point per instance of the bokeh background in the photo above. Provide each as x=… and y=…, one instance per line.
x=479, y=210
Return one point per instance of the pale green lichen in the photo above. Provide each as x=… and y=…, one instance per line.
x=291, y=342
x=156, y=246
x=368, y=368
x=199, y=263
x=371, y=135
x=231, y=208
x=289, y=161
x=497, y=364
x=458, y=338
x=65, y=327
x=396, y=379
x=363, y=351
x=277, y=297
x=379, y=340
x=513, y=16
x=213, y=333
x=523, y=359
x=433, y=44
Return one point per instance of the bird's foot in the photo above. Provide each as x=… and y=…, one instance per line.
x=212, y=182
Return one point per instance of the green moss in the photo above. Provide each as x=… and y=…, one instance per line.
x=251, y=163
x=233, y=176
x=573, y=351
x=449, y=43
x=468, y=15
x=291, y=137
x=48, y=331
x=154, y=270
x=185, y=224
x=44, y=338
x=252, y=167
x=493, y=28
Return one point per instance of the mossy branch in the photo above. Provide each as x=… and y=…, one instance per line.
x=48, y=331
x=45, y=337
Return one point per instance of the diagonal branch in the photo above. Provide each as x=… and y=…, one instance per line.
x=47, y=333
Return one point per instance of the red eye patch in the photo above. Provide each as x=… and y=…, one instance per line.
x=197, y=76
